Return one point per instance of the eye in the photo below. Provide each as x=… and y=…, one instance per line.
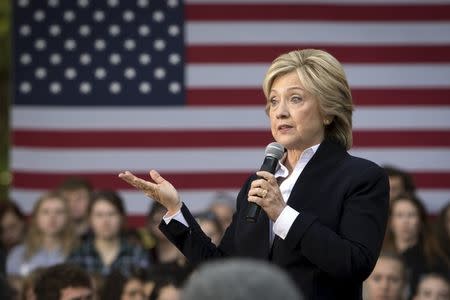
x=296, y=99
x=273, y=101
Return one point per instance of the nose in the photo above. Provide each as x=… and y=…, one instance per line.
x=282, y=110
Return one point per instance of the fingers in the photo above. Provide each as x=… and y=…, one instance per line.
x=136, y=181
x=156, y=177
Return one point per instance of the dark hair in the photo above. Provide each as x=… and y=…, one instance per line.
x=8, y=205
x=75, y=183
x=54, y=279
x=109, y=196
x=116, y=281
x=406, y=178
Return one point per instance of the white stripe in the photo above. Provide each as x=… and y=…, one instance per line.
x=314, y=32
x=359, y=2
x=235, y=118
x=199, y=200
x=200, y=160
x=358, y=75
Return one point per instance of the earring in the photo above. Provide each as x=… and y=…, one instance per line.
x=326, y=122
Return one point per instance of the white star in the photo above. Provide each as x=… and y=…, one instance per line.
x=159, y=73
x=129, y=44
x=70, y=44
x=174, y=30
x=40, y=73
x=54, y=30
x=145, y=59
x=174, y=87
x=70, y=73
x=99, y=16
x=158, y=16
x=113, y=3
x=159, y=44
x=55, y=87
x=172, y=3
x=174, y=59
x=130, y=73
x=55, y=59
x=145, y=87
x=25, y=59
x=23, y=3
x=85, y=59
x=83, y=3
x=40, y=44
x=100, y=73
x=142, y=3
x=85, y=87
x=53, y=3
x=69, y=16
x=144, y=30
x=128, y=16
x=99, y=45
x=25, y=87
x=84, y=30
x=39, y=16
x=114, y=30
x=115, y=59
x=115, y=87
x=25, y=30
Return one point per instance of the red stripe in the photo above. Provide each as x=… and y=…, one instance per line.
x=187, y=181
x=223, y=139
x=319, y=12
x=345, y=54
x=362, y=97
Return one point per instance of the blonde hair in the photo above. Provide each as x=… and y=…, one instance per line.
x=34, y=237
x=323, y=76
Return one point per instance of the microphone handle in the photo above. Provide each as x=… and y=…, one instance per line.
x=270, y=164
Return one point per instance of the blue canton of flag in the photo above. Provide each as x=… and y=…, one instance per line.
x=102, y=52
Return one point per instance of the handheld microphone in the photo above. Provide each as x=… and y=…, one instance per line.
x=274, y=152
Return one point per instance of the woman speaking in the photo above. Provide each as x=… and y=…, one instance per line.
x=324, y=212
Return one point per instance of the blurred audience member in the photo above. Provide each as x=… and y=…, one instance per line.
x=78, y=191
x=118, y=286
x=400, y=182
x=64, y=282
x=162, y=275
x=49, y=239
x=211, y=226
x=388, y=280
x=443, y=229
x=237, y=279
x=433, y=287
x=12, y=224
x=107, y=249
x=409, y=233
x=223, y=208
x=28, y=284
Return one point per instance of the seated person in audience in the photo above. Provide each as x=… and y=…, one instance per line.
x=400, y=182
x=210, y=225
x=118, y=286
x=64, y=282
x=223, y=207
x=78, y=191
x=161, y=275
x=12, y=225
x=28, y=284
x=49, y=239
x=388, y=280
x=409, y=234
x=433, y=287
x=443, y=229
x=107, y=249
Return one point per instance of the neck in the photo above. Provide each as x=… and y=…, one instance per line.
x=403, y=245
x=292, y=158
x=107, y=244
x=50, y=242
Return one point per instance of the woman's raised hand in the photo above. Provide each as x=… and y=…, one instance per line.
x=160, y=190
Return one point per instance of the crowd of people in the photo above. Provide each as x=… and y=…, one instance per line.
x=75, y=224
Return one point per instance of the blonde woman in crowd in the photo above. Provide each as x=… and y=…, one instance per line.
x=49, y=239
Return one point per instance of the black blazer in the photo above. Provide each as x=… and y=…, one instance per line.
x=333, y=244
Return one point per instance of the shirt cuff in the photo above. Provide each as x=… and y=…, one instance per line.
x=284, y=221
x=177, y=216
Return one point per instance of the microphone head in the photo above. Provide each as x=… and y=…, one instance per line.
x=275, y=150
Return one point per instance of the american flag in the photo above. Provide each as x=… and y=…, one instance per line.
x=102, y=86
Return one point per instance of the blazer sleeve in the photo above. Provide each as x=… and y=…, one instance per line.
x=352, y=251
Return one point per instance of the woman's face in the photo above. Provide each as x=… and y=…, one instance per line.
x=105, y=220
x=12, y=229
x=295, y=118
x=51, y=216
x=133, y=290
x=405, y=221
x=386, y=281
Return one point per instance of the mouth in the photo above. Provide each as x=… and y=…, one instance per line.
x=284, y=127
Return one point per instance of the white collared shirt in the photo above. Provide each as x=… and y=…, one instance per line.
x=287, y=217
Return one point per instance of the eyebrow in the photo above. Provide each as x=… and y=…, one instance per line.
x=291, y=88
